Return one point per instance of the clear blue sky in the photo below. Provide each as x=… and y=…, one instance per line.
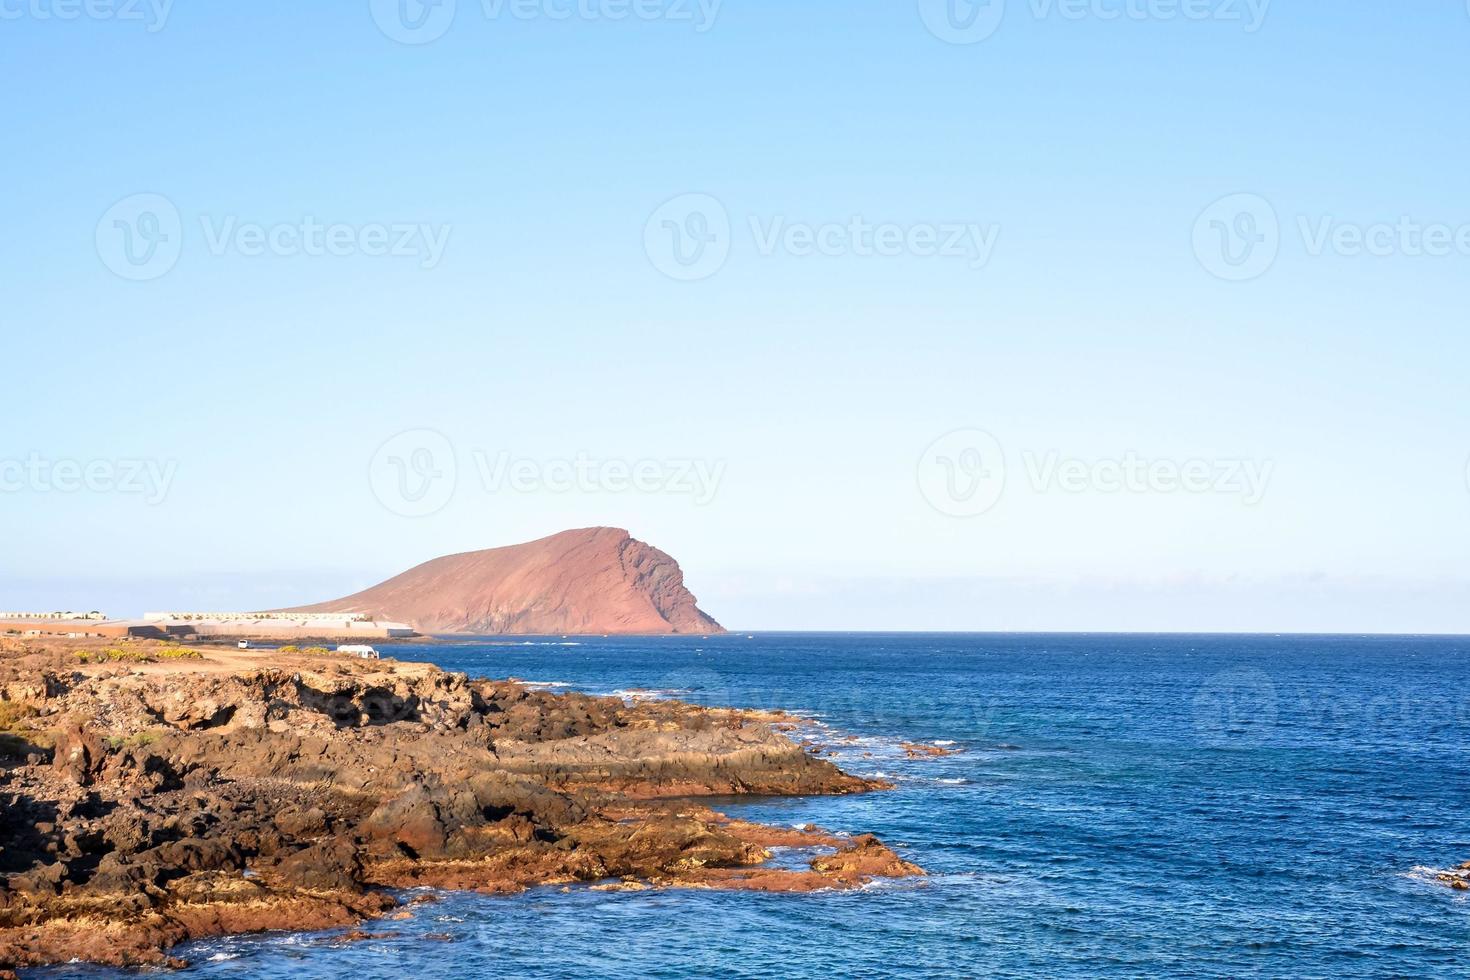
x=817, y=385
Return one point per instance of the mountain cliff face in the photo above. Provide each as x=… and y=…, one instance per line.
x=594, y=580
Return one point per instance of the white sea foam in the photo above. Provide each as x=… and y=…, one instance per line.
x=894, y=884
x=651, y=694
x=1422, y=872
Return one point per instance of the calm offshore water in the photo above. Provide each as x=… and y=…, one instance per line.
x=1123, y=806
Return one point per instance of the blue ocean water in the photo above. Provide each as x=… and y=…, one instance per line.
x=1121, y=806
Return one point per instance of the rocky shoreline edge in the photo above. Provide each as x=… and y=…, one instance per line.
x=153, y=794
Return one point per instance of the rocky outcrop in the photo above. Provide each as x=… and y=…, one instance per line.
x=1457, y=878
x=146, y=805
x=596, y=580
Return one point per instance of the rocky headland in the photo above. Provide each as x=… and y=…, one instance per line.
x=592, y=580
x=151, y=794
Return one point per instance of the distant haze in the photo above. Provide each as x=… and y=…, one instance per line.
x=1085, y=324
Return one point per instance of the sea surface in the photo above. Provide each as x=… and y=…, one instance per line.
x=1120, y=806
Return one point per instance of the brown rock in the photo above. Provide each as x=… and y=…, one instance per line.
x=412, y=821
x=866, y=857
x=595, y=580
x=383, y=775
x=79, y=752
x=331, y=865
x=296, y=822
x=918, y=750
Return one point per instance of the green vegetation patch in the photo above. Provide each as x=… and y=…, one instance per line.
x=117, y=655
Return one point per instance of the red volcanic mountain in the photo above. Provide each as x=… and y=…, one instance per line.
x=594, y=580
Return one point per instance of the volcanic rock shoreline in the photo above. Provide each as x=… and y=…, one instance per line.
x=151, y=794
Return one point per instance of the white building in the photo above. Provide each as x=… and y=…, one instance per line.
x=291, y=618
